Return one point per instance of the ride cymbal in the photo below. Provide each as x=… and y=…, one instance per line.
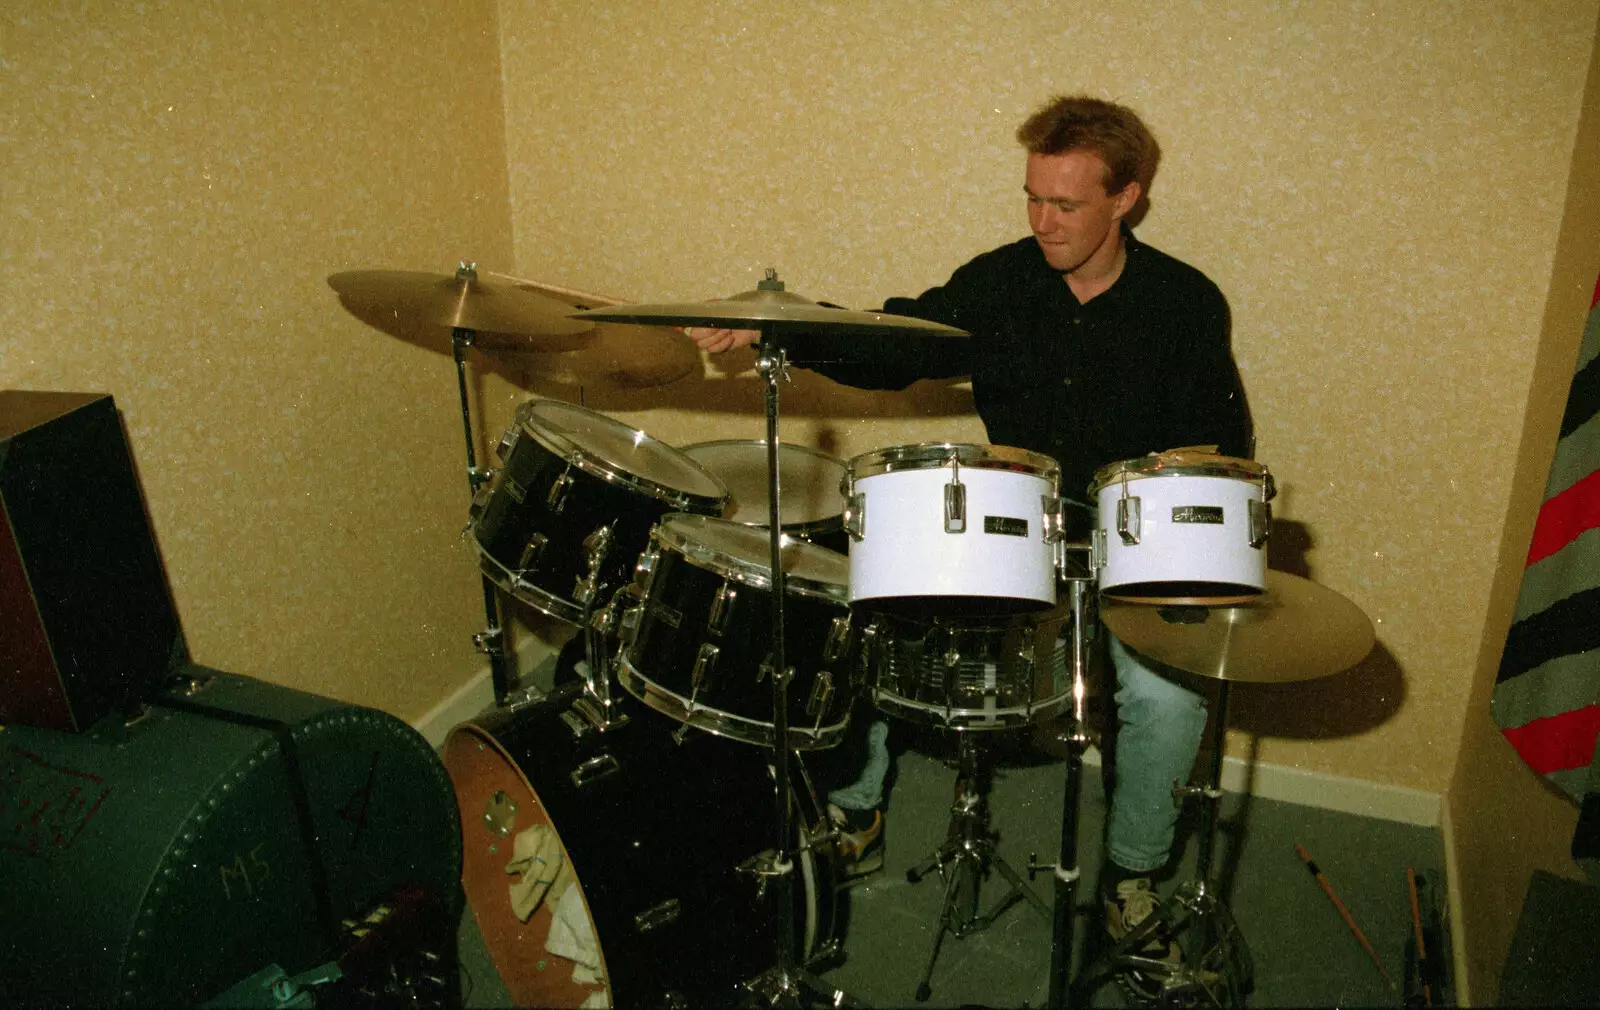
x=1295, y=630
x=771, y=308
x=505, y=317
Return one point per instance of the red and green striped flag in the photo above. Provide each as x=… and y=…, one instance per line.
x=1547, y=693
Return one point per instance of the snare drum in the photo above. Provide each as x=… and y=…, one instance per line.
x=699, y=646
x=660, y=836
x=949, y=528
x=968, y=673
x=810, y=502
x=571, y=508
x=1183, y=526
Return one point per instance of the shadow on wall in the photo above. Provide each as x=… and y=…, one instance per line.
x=1345, y=704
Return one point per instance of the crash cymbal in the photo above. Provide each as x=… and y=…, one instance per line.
x=770, y=307
x=505, y=317
x=1295, y=630
x=614, y=355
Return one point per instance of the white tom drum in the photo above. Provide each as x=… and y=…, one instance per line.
x=946, y=528
x=1186, y=525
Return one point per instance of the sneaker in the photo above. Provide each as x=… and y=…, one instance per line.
x=1134, y=902
x=858, y=842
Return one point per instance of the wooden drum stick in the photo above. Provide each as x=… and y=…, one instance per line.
x=1350, y=921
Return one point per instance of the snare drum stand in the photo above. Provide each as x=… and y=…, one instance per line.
x=964, y=857
x=787, y=983
x=1216, y=968
x=1065, y=869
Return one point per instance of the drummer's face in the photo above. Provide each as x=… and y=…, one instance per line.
x=1073, y=218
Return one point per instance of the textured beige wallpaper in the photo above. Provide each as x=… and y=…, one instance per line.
x=179, y=179
x=1376, y=186
x=1505, y=820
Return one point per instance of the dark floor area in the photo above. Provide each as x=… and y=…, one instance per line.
x=1302, y=950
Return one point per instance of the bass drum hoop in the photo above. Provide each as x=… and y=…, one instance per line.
x=719, y=722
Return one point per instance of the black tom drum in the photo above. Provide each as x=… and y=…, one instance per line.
x=699, y=647
x=571, y=508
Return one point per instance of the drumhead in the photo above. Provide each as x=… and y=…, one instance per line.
x=613, y=451
x=1189, y=462
x=931, y=455
x=809, y=481
x=744, y=554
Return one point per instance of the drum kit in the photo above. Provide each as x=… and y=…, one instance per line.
x=744, y=594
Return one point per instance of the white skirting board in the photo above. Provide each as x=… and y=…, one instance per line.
x=1325, y=792
x=1267, y=781
x=476, y=695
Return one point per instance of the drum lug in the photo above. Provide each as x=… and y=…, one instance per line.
x=705, y=663
x=1129, y=519
x=1260, y=522
x=480, y=501
x=657, y=916
x=557, y=496
x=628, y=626
x=508, y=441
x=1097, y=549
x=821, y=694
x=838, y=640
x=1052, y=524
x=855, y=515
x=595, y=769
x=955, y=506
x=644, y=570
x=721, y=604
x=596, y=545
x=531, y=552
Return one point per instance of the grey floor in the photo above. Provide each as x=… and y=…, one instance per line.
x=1303, y=953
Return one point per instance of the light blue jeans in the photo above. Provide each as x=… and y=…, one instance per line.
x=1162, y=723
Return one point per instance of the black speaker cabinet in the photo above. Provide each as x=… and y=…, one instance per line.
x=87, y=624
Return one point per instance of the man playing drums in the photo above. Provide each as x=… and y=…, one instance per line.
x=1090, y=347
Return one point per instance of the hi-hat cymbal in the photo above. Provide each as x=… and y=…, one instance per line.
x=505, y=317
x=1295, y=630
x=771, y=308
x=614, y=354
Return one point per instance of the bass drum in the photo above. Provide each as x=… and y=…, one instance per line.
x=660, y=837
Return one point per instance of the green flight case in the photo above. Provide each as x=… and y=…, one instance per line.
x=235, y=825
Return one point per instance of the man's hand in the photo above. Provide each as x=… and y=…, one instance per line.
x=717, y=340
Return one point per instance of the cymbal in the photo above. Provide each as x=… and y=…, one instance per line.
x=506, y=318
x=772, y=308
x=615, y=355
x=1295, y=630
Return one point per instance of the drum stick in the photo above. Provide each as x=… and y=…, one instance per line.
x=1349, y=920
x=1422, y=945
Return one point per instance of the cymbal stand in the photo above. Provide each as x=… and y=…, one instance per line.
x=1216, y=968
x=490, y=641
x=1065, y=869
x=786, y=984
x=962, y=860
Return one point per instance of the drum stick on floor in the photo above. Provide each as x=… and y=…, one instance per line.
x=1349, y=920
x=1423, y=971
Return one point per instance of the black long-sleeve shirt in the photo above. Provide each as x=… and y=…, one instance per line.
x=1142, y=367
